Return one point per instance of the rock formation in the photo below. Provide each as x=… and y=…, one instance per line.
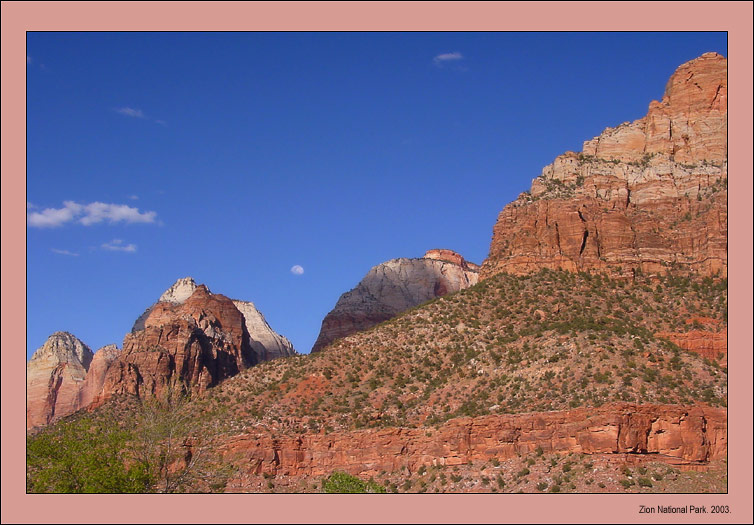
x=393, y=287
x=95, y=376
x=681, y=434
x=199, y=342
x=712, y=345
x=54, y=376
x=265, y=342
x=649, y=195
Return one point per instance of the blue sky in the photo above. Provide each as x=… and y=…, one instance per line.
x=233, y=157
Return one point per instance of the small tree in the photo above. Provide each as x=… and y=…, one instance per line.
x=167, y=439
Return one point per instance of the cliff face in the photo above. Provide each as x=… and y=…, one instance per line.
x=54, y=376
x=687, y=435
x=95, y=376
x=648, y=195
x=199, y=342
x=264, y=341
x=393, y=287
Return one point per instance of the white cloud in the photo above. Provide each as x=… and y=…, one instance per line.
x=116, y=245
x=86, y=214
x=131, y=112
x=64, y=252
x=297, y=270
x=133, y=197
x=52, y=217
x=443, y=58
x=28, y=59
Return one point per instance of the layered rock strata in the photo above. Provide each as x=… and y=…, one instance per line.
x=95, y=376
x=265, y=342
x=712, y=345
x=198, y=342
x=647, y=196
x=687, y=435
x=393, y=287
x=54, y=376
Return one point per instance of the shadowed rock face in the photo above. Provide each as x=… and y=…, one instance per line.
x=265, y=342
x=199, y=342
x=393, y=287
x=647, y=195
x=191, y=336
x=54, y=376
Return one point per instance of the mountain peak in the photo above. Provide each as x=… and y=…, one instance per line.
x=179, y=291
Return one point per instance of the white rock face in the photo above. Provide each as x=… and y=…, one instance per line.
x=179, y=292
x=54, y=376
x=393, y=287
x=265, y=342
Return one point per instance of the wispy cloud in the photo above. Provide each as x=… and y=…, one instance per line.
x=445, y=58
x=64, y=252
x=28, y=59
x=131, y=112
x=86, y=214
x=133, y=197
x=116, y=245
x=138, y=113
x=297, y=270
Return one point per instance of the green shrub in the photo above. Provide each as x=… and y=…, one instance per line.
x=84, y=455
x=342, y=483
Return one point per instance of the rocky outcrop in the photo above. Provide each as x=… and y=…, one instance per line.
x=687, y=434
x=265, y=342
x=95, y=376
x=712, y=345
x=647, y=196
x=393, y=287
x=198, y=342
x=54, y=376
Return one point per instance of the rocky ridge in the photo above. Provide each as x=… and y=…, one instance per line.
x=393, y=287
x=649, y=196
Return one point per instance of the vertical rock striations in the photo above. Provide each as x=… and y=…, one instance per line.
x=393, y=287
x=199, y=342
x=649, y=195
x=265, y=342
x=194, y=337
x=95, y=376
x=54, y=376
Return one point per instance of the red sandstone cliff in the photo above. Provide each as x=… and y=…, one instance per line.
x=198, y=342
x=647, y=195
x=695, y=434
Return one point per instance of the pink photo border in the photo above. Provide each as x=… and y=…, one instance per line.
x=19, y=17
